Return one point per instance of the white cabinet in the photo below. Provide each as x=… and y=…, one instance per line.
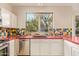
x=35, y=48
x=5, y=16
x=44, y=47
x=13, y=20
x=75, y=51
x=57, y=47
x=47, y=47
x=71, y=49
x=16, y=47
x=11, y=48
x=9, y=19
x=67, y=48
x=40, y=47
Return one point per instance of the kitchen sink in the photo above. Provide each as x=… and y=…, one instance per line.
x=40, y=36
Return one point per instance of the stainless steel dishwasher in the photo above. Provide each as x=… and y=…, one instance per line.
x=21, y=44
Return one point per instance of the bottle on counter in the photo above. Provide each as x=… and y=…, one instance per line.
x=70, y=31
x=4, y=33
x=18, y=32
x=0, y=33
x=8, y=33
x=13, y=32
x=65, y=32
x=22, y=32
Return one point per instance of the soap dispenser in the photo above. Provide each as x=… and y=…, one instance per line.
x=5, y=33
x=0, y=33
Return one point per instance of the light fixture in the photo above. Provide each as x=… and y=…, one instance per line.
x=40, y=4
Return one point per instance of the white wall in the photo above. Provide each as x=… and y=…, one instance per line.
x=6, y=6
x=62, y=15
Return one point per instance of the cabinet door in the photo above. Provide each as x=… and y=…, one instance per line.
x=47, y=47
x=34, y=49
x=26, y=47
x=11, y=48
x=5, y=17
x=16, y=46
x=57, y=48
x=13, y=20
x=44, y=47
x=67, y=48
x=75, y=51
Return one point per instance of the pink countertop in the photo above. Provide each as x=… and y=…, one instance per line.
x=71, y=39
x=40, y=37
x=68, y=38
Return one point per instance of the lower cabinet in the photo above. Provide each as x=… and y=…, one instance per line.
x=71, y=49
x=44, y=47
x=75, y=51
x=47, y=47
x=11, y=48
x=16, y=47
x=34, y=47
x=26, y=47
x=67, y=48
x=57, y=47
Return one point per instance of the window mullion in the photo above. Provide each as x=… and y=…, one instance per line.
x=39, y=24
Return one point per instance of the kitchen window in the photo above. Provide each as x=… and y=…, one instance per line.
x=77, y=25
x=39, y=22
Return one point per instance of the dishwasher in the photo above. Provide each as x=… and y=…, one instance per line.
x=21, y=45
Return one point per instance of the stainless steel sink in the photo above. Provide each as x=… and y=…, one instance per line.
x=40, y=36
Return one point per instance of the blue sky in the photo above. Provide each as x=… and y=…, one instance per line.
x=30, y=17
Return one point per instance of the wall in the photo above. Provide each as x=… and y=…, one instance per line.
x=62, y=15
x=6, y=6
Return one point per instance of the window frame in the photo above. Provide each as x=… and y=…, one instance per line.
x=39, y=20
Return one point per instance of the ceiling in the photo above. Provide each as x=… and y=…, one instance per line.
x=43, y=4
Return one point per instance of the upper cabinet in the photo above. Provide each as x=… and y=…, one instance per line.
x=7, y=19
x=13, y=20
